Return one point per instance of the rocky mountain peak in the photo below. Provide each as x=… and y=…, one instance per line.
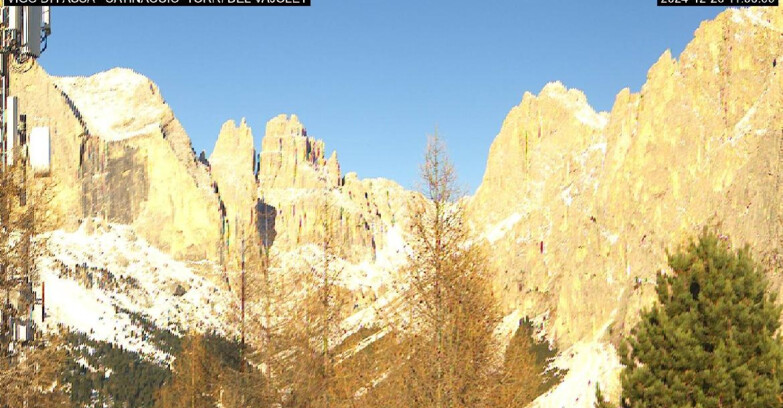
x=97, y=96
x=292, y=159
x=231, y=140
x=541, y=140
x=283, y=125
x=232, y=165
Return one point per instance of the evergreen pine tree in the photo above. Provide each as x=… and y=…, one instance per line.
x=33, y=380
x=710, y=341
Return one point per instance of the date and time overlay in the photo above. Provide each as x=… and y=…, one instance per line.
x=717, y=3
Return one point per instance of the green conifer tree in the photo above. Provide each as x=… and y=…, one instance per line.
x=710, y=341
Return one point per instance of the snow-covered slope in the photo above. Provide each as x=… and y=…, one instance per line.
x=587, y=363
x=108, y=283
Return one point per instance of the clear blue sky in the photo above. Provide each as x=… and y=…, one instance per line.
x=373, y=77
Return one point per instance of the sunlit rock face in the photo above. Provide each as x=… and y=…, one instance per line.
x=578, y=205
x=291, y=159
x=305, y=190
x=125, y=174
x=581, y=206
x=232, y=166
x=119, y=153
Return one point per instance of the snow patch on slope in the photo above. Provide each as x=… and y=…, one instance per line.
x=587, y=363
x=566, y=196
x=144, y=283
x=500, y=229
x=754, y=15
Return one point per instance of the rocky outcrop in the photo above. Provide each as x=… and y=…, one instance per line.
x=581, y=207
x=296, y=180
x=539, y=148
x=119, y=153
x=541, y=175
x=291, y=159
x=232, y=166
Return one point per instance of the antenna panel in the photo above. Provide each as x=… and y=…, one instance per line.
x=31, y=37
x=15, y=17
x=11, y=126
x=40, y=151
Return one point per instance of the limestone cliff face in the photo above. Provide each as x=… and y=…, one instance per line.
x=291, y=159
x=542, y=170
x=581, y=214
x=232, y=166
x=579, y=206
x=294, y=180
x=120, y=154
x=537, y=149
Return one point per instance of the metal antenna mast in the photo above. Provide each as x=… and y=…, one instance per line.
x=24, y=31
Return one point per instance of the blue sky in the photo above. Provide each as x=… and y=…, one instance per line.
x=372, y=78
